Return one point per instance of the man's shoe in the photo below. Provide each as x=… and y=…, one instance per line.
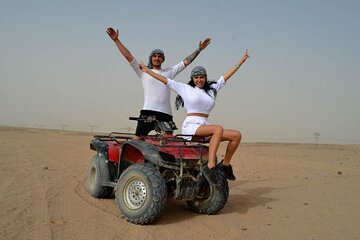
x=210, y=174
x=227, y=171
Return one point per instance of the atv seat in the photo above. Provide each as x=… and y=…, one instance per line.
x=200, y=139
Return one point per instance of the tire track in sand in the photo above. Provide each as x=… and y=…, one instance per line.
x=82, y=192
x=128, y=230
x=37, y=225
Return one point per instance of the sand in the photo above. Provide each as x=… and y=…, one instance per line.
x=282, y=191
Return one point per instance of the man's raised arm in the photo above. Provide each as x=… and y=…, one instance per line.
x=114, y=35
x=202, y=45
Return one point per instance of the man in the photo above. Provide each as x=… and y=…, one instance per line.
x=156, y=94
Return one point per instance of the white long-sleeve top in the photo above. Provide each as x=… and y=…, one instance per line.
x=156, y=94
x=196, y=100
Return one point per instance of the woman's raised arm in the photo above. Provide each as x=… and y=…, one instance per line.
x=159, y=77
x=233, y=70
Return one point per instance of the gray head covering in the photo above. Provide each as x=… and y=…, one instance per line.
x=198, y=70
x=153, y=52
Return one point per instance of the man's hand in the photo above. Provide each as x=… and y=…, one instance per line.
x=112, y=33
x=204, y=44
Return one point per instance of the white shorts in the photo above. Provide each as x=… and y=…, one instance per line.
x=191, y=124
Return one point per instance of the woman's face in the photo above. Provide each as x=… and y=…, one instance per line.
x=199, y=80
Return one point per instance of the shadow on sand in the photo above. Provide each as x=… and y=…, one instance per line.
x=177, y=211
x=249, y=198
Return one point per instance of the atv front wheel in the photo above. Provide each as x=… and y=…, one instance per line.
x=211, y=199
x=141, y=194
x=94, y=180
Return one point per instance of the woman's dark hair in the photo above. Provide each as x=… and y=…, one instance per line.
x=179, y=102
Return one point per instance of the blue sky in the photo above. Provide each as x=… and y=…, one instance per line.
x=58, y=66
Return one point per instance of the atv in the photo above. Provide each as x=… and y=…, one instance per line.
x=143, y=174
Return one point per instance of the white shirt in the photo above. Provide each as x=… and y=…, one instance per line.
x=196, y=100
x=156, y=94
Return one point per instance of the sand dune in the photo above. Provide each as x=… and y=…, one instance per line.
x=283, y=191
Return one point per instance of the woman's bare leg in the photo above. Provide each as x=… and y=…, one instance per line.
x=216, y=133
x=234, y=138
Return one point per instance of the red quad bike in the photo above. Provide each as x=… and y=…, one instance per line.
x=144, y=173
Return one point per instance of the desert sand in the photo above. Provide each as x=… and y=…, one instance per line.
x=282, y=191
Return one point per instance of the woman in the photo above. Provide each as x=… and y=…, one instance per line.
x=198, y=99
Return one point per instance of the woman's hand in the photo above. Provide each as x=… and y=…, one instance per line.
x=245, y=56
x=143, y=67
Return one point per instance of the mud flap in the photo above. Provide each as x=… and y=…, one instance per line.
x=102, y=162
x=104, y=171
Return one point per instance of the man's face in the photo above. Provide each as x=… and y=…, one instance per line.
x=157, y=59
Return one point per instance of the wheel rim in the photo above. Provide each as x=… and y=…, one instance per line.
x=135, y=194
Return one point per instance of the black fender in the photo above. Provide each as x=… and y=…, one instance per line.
x=101, y=147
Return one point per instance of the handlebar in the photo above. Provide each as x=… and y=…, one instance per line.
x=160, y=127
x=144, y=118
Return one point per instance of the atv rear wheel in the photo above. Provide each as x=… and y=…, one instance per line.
x=140, y=193
x=211, y=199
x=94, y=180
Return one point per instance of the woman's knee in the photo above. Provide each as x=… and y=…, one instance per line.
x=240, y=135
x=218, y=129
x=237, y=135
